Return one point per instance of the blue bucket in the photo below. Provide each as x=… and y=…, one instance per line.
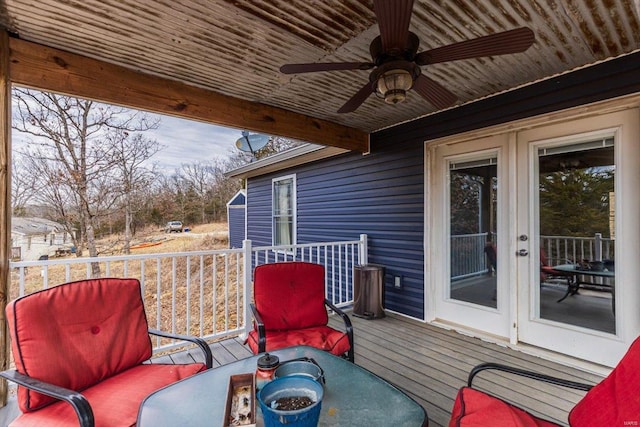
x=291, y=386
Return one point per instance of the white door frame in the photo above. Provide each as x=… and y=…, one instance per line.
x=626, y=118
x=595, y=346
x=495, y=322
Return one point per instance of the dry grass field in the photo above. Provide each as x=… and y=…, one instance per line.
x=197, y=294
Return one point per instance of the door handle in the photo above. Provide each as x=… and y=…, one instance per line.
x=522, y=252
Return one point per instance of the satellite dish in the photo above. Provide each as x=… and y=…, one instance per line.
x=252, y=143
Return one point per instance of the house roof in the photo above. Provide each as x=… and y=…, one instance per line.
x=238, y=200
x=235, y=48
x=285, y=159
x=29, y=226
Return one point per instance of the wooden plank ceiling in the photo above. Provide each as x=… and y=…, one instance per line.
x=235, y=47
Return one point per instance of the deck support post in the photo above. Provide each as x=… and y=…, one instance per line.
x=5, y=204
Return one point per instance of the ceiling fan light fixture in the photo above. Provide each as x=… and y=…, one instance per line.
x=393, y=85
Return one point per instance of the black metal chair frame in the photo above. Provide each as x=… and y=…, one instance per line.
x=79, y=403
x=262, y=335
x=550, y=272
x=528, y=374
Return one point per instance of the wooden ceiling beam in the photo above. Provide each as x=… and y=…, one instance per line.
x=44, y=68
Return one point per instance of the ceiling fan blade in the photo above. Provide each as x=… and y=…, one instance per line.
x=357, y=99
x=511, y=41
x=393, y=17
x=434, y=92
x=324, y=66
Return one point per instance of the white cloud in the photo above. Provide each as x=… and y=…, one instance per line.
x=183, y=141
x=187, y=141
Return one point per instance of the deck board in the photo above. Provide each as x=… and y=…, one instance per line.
x=222, y=354
x=432, y=363
x=429, y=363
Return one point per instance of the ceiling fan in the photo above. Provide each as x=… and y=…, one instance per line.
x=396, y=61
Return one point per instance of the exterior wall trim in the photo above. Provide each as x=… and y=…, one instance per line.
x=294, y=214
x=294, y=157
x=584, y=111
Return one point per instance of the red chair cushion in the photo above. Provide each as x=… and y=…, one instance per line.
x=290, y=295
x=544, y=260
x=550, y=270
x=113, y=401
x=615, y=401
x=88, y=331
x=322, y=337
x=473, y=408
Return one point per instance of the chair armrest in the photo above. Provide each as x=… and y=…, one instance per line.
x=208, y=356
x=79, y=403
x=558, y=261
x=345, y=318
x=528, y=374
x=259, y=323
x=347, y=325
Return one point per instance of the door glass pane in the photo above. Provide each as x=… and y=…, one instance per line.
x=577, y=234
x=472, y=234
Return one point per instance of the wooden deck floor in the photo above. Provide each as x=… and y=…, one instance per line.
x=430, y=364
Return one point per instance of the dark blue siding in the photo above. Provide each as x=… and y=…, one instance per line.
x=235, y=218
x=236, y=214
x=259, y=211
x=379, y=194
x=238, y=200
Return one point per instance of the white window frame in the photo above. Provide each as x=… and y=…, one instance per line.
x=294, y=213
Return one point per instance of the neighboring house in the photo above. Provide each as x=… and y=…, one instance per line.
x=34, y=238
x=400, y=195
x=236, y=218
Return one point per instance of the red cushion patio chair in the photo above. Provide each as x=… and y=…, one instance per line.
x=79, y=350
x=290, y=309
x=548, y=272
x=615, y=401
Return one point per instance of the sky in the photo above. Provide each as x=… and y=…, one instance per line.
x=183, y=142
x=188, y=141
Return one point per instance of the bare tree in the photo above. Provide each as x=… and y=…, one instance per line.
x=200, y=179
x=181, y=197
x=23, y=187
x=56, y=191
x=225, y=187
x=131, y=156
x=276, y=144
x=67, y=141
x=161, y=201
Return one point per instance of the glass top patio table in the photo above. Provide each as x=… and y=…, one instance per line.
x=353, y=396
x=571, y=268
x=574, y=281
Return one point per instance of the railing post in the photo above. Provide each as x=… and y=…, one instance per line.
x=364, y=250
x=598, y=247
x=246, y=285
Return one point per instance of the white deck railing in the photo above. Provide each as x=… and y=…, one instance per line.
x=468, y=257
x=576, y=249
x=203, y=293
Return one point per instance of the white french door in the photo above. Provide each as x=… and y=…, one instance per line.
x=563, y=194
x=577, y=204
x=469, y=241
